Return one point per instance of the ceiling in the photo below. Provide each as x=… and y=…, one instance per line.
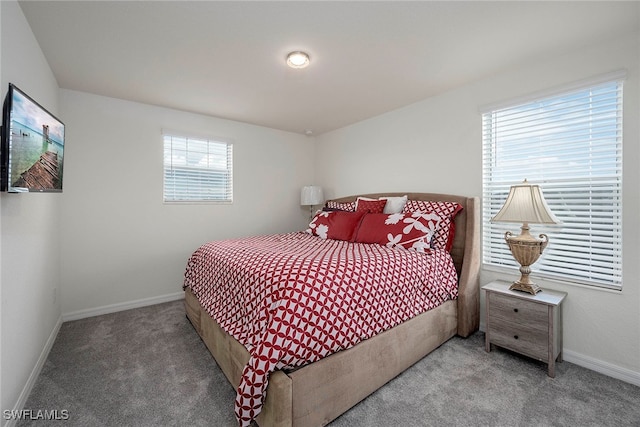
x=227, y=59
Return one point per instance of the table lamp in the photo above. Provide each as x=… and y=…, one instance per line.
x=525, y=204
x=311, y=195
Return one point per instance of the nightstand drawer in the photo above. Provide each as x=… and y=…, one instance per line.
x=505, y=309
x=523, y=339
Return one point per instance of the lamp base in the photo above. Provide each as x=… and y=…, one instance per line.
x=526, y=250
x=532, y=288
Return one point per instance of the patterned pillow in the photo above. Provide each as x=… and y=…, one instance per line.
x=447, y=211
x=409, y=231
x=336, y=225
x=370, y=205
x=347, y=206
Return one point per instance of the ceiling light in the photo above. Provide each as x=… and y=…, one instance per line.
x=297, y=59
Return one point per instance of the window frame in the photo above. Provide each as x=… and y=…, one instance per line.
x=198, y=172
x=495, y=253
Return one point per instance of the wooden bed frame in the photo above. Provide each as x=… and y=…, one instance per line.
x=316, y=394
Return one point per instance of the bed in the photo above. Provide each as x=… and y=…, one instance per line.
x=318, y=392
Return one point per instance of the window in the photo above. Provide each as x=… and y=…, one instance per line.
x=197, y=169
x=571, y=145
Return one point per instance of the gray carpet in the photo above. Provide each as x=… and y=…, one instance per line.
x=148, y=367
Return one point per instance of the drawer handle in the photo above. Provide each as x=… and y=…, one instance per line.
x=515, y=337
x=515, y=310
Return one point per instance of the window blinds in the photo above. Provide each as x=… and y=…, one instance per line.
x=571, y=145
x=197, y=169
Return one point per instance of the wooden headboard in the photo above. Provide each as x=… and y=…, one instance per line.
x=465, y=252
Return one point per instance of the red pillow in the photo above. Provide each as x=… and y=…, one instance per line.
x=336, y=225
x=410, y=231
x=370, y=206
x=447, y=211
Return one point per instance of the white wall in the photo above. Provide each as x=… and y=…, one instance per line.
x=29, y=230
x=119, y=242
x=435, y=146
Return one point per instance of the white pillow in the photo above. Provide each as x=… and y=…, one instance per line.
x=394, y=204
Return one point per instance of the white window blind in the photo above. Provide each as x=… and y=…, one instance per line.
x=197, y=169
x=571, y=145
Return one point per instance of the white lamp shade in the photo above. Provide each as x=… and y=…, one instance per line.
x=311, y=195
x=525, y=204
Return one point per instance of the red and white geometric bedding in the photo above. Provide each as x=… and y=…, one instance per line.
x=292, y=299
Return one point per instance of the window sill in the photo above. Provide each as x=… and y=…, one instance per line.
x=511, y=274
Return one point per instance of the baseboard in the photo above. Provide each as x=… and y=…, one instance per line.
x=605, y=368
x=26, y=390
x=599, y=366
x=113, y=308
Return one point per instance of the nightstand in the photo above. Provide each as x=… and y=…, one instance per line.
x=527, y=324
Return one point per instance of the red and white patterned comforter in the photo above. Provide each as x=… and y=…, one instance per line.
x=292, y=299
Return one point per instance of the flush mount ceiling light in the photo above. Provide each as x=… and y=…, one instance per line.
x=297, y=59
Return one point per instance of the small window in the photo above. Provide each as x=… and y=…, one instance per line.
x=197, y=169
x=571, y=145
